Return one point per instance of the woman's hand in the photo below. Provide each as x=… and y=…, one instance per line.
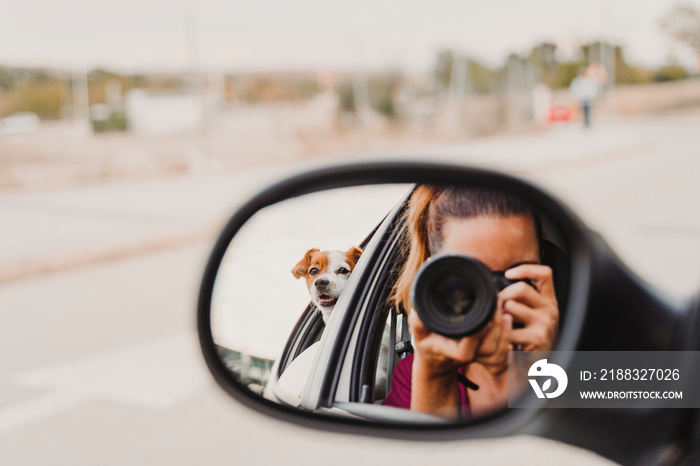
x=434, y=384
x=492, y=352
x=536, y=309
x=487, y=346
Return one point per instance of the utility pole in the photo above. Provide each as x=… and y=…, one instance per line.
x=514, y=77
x=608, y=53
x=360, y=90
x=459, y=77
x=81, y=99
x=201, y=157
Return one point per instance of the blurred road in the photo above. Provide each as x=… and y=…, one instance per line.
x=100, y=363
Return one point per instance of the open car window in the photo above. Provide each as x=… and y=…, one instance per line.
x=310, y=326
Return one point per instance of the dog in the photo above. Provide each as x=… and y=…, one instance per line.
x=326, y=273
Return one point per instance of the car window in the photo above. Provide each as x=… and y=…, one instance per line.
x=310, y=326
x=262, y=301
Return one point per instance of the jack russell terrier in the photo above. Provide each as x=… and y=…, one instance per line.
x=326, y=273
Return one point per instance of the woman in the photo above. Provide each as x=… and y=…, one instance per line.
x=502, y=231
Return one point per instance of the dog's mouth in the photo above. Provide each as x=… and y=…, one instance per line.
x=327, y=300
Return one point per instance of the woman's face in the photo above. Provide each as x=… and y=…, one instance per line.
x=500, y=242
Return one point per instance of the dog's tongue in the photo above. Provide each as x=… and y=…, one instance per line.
x=325, y=299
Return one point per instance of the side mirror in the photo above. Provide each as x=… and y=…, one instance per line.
x=299, y=313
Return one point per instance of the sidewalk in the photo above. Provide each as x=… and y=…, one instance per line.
x=46, y=231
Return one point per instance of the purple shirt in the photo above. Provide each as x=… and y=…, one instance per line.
x=400, y=393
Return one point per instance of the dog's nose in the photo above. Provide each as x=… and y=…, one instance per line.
x=322, y=283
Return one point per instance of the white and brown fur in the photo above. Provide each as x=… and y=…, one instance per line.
x=326, y=273
x=326, y=285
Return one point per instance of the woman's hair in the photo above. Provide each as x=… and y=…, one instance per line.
x=428, y=209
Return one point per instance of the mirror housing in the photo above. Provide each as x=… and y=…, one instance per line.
x=609, y=308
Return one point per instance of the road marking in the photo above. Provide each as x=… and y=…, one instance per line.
x=38, y=409
x=155, y=375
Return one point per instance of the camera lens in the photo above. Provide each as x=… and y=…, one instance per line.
x=454, y=295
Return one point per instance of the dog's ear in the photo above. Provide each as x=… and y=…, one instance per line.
x=302, y=267
x=353, y=255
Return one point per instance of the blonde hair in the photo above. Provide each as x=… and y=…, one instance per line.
x=417, y=242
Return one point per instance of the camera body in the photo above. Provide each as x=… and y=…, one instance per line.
x=455, y=295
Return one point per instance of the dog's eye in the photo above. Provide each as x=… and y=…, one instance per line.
x=313, y=271
x=343, y=271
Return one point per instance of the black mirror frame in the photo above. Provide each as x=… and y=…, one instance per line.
x=368, y=173
x=609, y=309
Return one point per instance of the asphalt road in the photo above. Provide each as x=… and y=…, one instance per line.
x=100, y=364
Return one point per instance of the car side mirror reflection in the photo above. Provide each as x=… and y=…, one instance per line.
x=307, y=300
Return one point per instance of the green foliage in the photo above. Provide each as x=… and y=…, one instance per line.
x=381, y=88
x=33, y=90
x=308, y=88
x=46, y=97
x=382, y=94
x=271, y=88
x=565, y=73
x=99, y=79
x=481, y=78
x=626, y=73
x=46, y=92
x=543, y=59
x=560, y=74
x=7, y=78
x=346, y=97
x=670, y=73
x=116, y=122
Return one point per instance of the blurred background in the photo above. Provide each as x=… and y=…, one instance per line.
x=130, y=131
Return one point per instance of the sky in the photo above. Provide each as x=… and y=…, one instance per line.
x=262, y=35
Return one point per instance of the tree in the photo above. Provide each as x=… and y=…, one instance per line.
x=481, y=78
x=671, y=72
x=382, y=93
x=625, y=72
x=682, y=22
x=381, y=89
x=543, y=58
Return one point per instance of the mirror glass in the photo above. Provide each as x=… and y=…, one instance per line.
x=297, y=267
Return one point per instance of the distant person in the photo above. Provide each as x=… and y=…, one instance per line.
x=586, y=87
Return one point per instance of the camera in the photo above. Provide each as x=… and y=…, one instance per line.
x=455, y=294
